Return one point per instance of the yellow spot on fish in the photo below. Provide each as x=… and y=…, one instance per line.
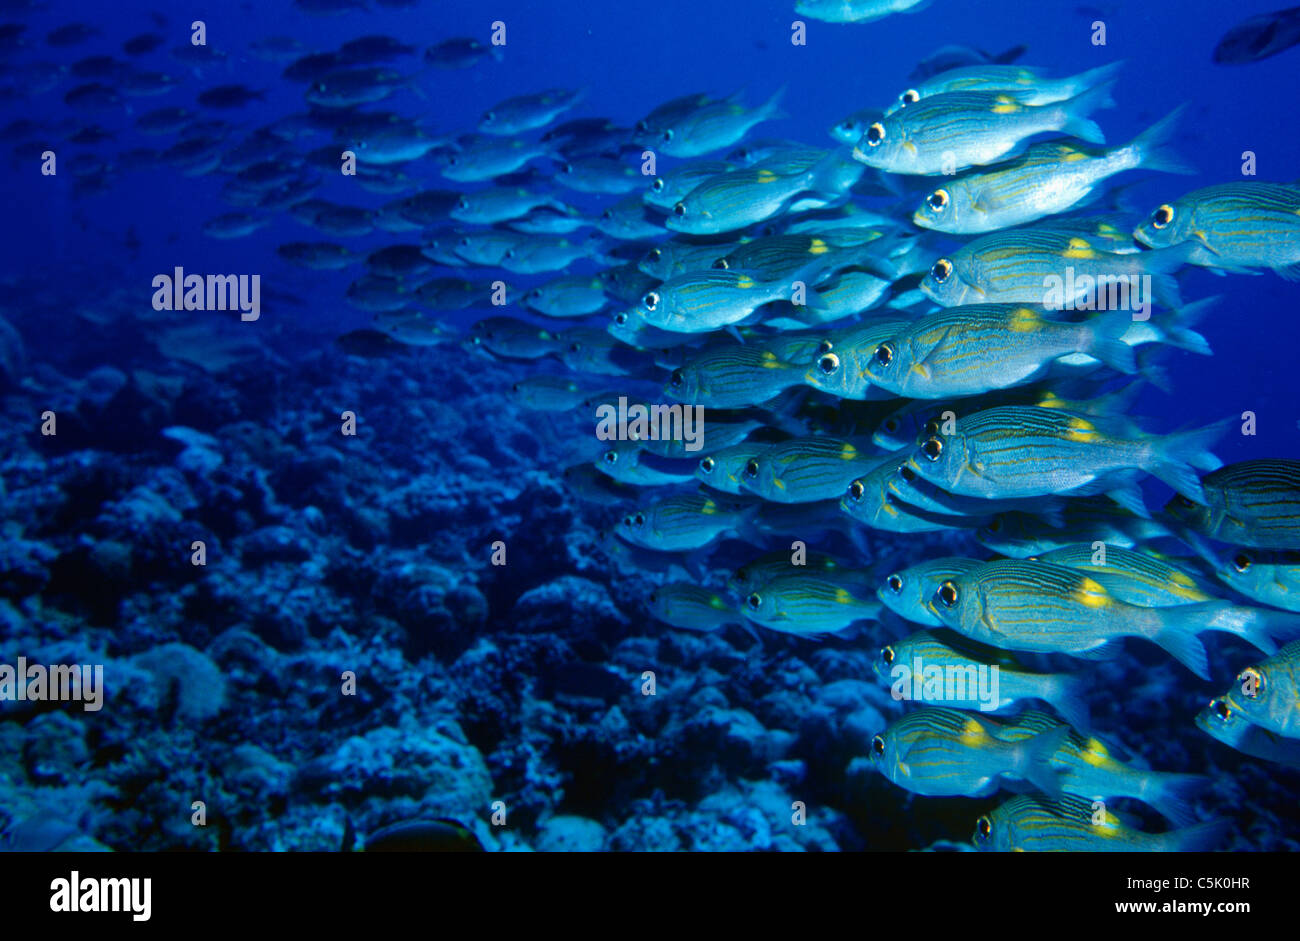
x=818, y=247
x=745, y=281
x=1074, y=156
x=1005, y=105
x=1090, y=594
x=1023, y=320
x=909, y=147
x=843, y=597
x=848, y=452
x=1095, y=754
x=709, y=508
x=1080, y=430
x=766, y=176
x=1078, y=248
x=778, y=483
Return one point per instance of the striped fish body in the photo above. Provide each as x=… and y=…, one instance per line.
x=670, y=188
x=681, y=524
x=736, y=199
x=1234, y=226
x=703, y=301
x=1037, y=606
x=1086, y=520
x=952, y=131
x=897, y=662
x=714, y=126
x=732, y=377
x=1048, y=179
x=625, y=462
x=1028, y=85
x=669, y=259
x=1026, y=451
x=1250, y=503
x=982, y=347
x=940, y=752
x=1089, y=769
x=753, y=575
x=1052, y=268
x=1073, y=824
x=805, y=470
x=684, y=605
x=1132, y=577
x=808, y=604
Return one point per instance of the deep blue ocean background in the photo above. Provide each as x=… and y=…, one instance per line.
x=370, y=555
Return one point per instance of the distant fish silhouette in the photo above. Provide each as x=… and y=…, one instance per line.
x=1259, y=37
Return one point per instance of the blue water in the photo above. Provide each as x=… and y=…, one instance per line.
x=434, y=633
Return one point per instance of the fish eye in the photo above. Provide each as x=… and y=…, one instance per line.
x=1221, y=709
x=707, y=464
x=875, y=134
x=856, y=490
x=1252, y=680
x=620, y=318
x=884, y=354
x=754, y=601
x=751, y=467
x=887, y=654
x=638, y=519
x=607, y=214
x=490, y=116
x=938, y=200
x=575, y=347
x=462, y=203
x=567, y=168
x=824, y=347
x=1162, y=216
x=642, y=125
x=910, y=97
x=452, y=161
x=846, y=125
x=650, y=301
x=721, y=264
x=942, y=268
x=679, y=210
x=895, y=583
x=1182, y=501
x=676, y=379
x=933, y=448
x=610, y=457
x=891, y=424
x=947, y=594
x=995, y=525
x=828, y=363
x=878, y=746
x=658, y=185
x=668, y=134
x=1241, y=562
x=983, y=829
x=515, y=387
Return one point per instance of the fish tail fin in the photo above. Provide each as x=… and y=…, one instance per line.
x=1200, y=838
x=1176, y=457
x=1262, y=628
x=1151, y=149
x=1038, y=758
x=1065, y=694
x=1107, y=342
x=1177, y=635
x=1010, y=55
x=1173, y=795
x=1077, y=109
x=772, y=109
x=1098, y=76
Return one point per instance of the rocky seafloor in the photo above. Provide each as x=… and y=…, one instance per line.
x=523, y=684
